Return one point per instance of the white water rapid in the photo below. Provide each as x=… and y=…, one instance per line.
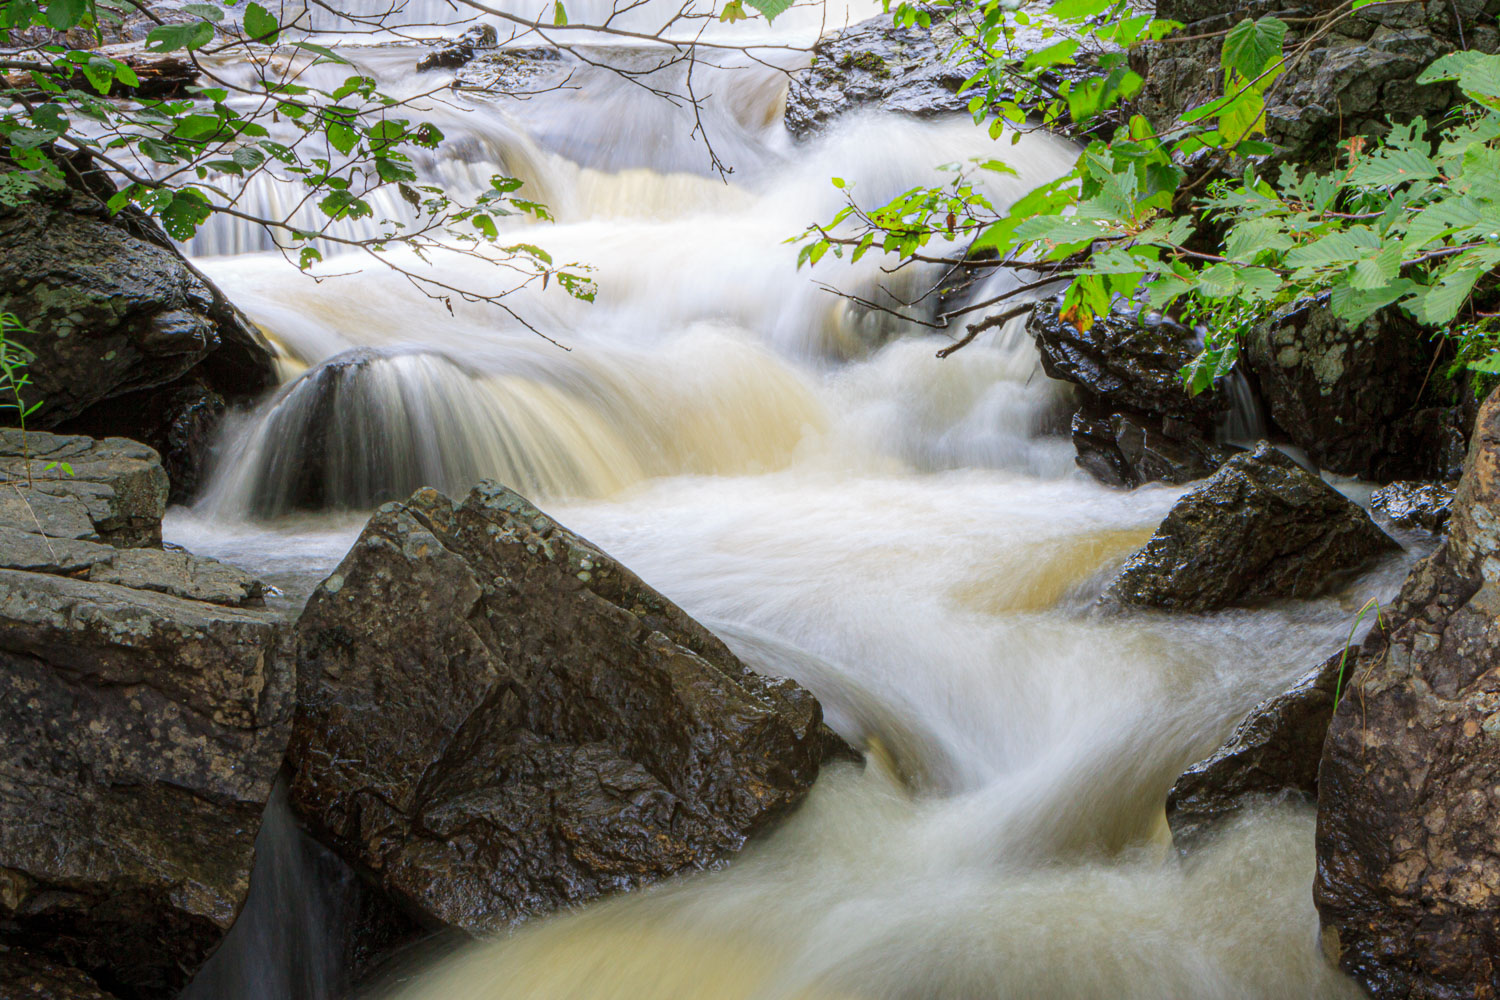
x=906, y=536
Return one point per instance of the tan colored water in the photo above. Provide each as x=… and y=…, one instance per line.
x=905, y=536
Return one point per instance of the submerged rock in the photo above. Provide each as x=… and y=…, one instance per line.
x=1272, y=753
x=1408, y=881
x=1415, y=505
x=1261, y=527
x=1350, y=395
x=145, y=705
x=497, y=719
x=115, y=311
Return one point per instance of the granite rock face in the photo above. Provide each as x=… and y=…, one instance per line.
x=145, y=706
x=1408, y=882
x=496, y=719
x=1262, y=527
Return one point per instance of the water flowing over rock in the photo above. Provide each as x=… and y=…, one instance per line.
x=1273, y=752
x=1261, y=527
x=1414, y=505
x=460, y=50
x=119, y=319
x=497, y=719
x=1359, y=74
x=1351, y=396
x=145, y=710
x=1408, y=883
x=1137, y=423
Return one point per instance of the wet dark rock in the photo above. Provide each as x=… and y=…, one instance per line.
x=115, y=310
x=73, y=487
x=1351, y=396
x=1408, y=880
x=461, y=50
x=512, y=70
x=1353, y=80
x=496, y=719
x=1272, y=753
x=145, y=705
x=1137, y=424
x=1130, y=449
x=1261, y=527
x=875, y=65
x=25, y=975
x=1414, y=505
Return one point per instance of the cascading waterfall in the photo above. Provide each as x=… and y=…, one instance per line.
x=904, y=535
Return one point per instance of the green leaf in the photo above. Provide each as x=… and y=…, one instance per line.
x=771, y=8
x=65, y=14
x=559, y=13
x=733, y=11
x=172, y=37
x=1252, y=46
x=308, y=257
x=260, y=24
x=1078, y=10
x=207, y=11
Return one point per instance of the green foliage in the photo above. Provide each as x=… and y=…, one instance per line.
x=184, y=159
x=1411, y=221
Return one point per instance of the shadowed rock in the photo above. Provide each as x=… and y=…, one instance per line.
x=497, y=719
x=1415, y=505
x=25, y=975
x=1261, y=527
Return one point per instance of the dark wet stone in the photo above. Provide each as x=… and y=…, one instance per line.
x=1414, y=505
x=496, y=719
x=115, y=310
x=1272, y=753
x=1350, y=395
x=25, y=975
x=1261, y=527
x=461, y=50
x=1129, y=450
x=1408, y=881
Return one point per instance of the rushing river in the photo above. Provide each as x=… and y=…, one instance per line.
x=906, y=536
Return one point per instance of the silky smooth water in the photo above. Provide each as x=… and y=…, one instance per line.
x=906, y=536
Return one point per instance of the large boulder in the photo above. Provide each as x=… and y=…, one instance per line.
x=145, y=705
x=1261, y=527
x=1272, y=754
x=1408, y=880
x=71, y=487
x=1136, y=422
x=118, y=319
x=496, y=719
x=1351, y=395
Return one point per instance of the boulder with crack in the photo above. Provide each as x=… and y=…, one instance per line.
x=497, y=719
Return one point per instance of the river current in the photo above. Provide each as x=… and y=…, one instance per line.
x=906, y=536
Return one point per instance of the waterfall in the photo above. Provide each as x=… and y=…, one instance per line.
x=906, y=536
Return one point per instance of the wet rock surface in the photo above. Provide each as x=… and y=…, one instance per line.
x=1360, y=73
x=1351, y=396
x=1408, y=880
x=114, y=310
x=497, y=719
x=461, y=50
x=1137, y=424
x=145, y=704
x=1262, y=527
x=1272, y=753
x=1414, y=505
